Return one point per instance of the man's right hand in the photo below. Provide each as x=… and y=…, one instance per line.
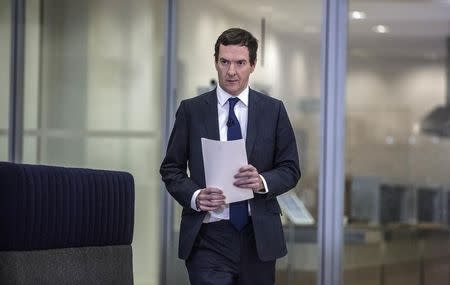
x=210, y=199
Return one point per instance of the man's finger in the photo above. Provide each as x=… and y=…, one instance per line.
x=210, y=190
x=248, y=167
x=211, y=197
x=211, y=203
x=206, y=205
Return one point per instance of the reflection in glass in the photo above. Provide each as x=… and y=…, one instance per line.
x=397, y=62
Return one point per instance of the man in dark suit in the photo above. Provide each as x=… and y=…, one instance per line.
x=235, y=243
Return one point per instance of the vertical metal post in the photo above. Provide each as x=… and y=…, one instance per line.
x=40, y=141
x=15, y=138
x=331, y=181
x=168, y=111
x=447, y=71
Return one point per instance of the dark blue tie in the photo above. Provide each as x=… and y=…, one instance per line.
x=238, y=210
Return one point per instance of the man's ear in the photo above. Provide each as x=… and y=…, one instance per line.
x=253, y=66
x=216, y=64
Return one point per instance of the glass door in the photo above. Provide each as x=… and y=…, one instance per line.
x=397, y=143
x=92, y=97
x=288, y=68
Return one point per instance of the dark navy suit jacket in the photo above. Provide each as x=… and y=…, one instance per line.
x=271, y=148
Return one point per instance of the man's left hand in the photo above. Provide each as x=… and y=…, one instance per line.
x=248, y=177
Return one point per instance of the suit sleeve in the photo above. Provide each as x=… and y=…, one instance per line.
x=286, y=170
x=174, y=166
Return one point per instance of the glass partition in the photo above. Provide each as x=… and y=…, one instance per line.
x=288, y=68
x=92, y=99
x=398, y=118
x=5, y=55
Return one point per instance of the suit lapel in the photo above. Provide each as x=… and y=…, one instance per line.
x=252, y=124
x=210, y=116
x=212, y=125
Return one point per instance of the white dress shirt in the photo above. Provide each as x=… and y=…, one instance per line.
x=241, y=111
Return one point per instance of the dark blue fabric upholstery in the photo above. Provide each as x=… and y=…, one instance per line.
x=45, y=207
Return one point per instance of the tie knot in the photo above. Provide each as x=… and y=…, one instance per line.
x=233, y=101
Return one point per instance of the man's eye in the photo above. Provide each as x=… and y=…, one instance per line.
x=224, y=62
x=241, y=62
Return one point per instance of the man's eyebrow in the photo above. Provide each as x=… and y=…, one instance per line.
x=237, y=60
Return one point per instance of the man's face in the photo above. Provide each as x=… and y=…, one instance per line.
x=233, y=68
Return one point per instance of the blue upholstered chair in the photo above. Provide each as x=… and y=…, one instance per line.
x=65, y=225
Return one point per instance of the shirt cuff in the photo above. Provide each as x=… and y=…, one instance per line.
x=194, y=198
x=266, y=189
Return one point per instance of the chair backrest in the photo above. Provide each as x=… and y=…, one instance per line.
x=63, y=225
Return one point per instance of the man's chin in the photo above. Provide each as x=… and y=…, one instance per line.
x=232, y=91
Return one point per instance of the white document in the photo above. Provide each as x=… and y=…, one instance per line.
x=222, y=160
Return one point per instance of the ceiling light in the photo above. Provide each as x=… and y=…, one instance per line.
x=416, y=128
x=358, y=15
x=382, y=29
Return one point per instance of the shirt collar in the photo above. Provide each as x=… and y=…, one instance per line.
x=223, y=96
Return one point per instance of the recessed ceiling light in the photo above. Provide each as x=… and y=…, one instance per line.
x=358, y=15
x=382, y=29
x=416, y=128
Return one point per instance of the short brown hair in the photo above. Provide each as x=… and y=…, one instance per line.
x=237, y=36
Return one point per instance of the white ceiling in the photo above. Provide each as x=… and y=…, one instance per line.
x=417, y=27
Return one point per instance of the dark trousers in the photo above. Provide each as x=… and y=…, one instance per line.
x=224, y=256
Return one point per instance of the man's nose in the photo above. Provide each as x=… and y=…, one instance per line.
x=231, y=70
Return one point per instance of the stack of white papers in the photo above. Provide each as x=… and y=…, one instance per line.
x=222, y=160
